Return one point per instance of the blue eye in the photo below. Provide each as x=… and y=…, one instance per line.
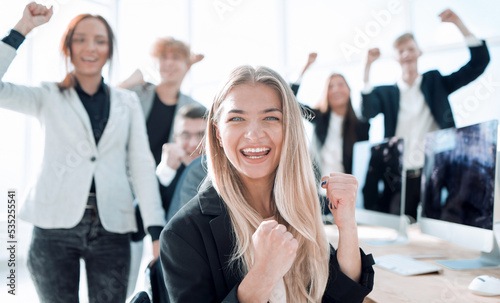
x=101, y=42
x=272, y=118
x=236, y=119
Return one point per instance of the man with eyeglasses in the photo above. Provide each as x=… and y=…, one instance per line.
x=189, y=128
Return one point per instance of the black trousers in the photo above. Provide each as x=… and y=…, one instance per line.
x=54, y=261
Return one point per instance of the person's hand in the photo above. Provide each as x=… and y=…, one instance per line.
x=172, y=154
x=136, y=78
x=275, y=249
x=311, y=59
x=195, y=58
x=373, y=54
x=156, y=249
x=449, y=16
x=341, y=192
x=33, y=15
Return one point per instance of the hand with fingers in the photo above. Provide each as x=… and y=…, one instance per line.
x=137, y=78
x=311, y=58
x=195, y=58
x=341, y=193
x=34, y=15
x=275, y=249
x=373, y=54
x=172, y=155
x=450, y=16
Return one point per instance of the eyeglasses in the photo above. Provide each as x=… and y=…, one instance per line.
x=187, y=136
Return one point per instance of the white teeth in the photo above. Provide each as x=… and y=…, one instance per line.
x=89, y=59
x=256, y=150
x=255, y=157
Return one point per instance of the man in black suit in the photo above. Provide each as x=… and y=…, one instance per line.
x=418, y=103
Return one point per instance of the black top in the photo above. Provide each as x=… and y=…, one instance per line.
x=97, y=107
x=158, y=125
x=199, y=239
x=167, y=192
x=14, y=39
x=354, y=130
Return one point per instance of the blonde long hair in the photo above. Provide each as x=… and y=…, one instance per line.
x=294, y=194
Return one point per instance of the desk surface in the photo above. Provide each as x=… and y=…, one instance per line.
x=448, y=286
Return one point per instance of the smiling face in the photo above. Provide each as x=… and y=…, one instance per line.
x=407, y=53
x=89, y=47
x=250, y=130
x=189, y=133
x=173, y=66
x=338, y=93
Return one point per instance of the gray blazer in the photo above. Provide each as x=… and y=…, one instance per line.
x=71, y=157
x=146, y=94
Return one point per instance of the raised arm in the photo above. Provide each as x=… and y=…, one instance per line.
x=373, y=54
x=341, y=193
x=311, y=58
x=34, y=15
x=19, y=98
x=479, y=56
x=450, y=16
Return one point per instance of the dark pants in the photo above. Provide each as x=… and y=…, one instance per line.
x=413, y=187
x=54, y=261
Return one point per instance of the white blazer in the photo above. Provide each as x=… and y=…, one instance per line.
x=121, y=164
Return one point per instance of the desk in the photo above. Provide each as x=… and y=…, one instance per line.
x=448, y=286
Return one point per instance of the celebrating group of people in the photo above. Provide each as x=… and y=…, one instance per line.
x=253, y=231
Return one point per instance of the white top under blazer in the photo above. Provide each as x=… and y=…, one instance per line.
x=122, y=163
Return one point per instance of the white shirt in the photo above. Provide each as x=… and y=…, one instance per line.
x=414, y=117
x=330, y=156
x=414, y=122
x=165, y=173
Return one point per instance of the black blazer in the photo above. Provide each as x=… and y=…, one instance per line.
x=435, y=87
x=321, y=122
x=196, y=246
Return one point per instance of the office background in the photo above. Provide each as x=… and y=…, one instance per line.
x=275, y=33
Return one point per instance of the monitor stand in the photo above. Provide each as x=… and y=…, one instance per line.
x=401, y=237
x=491, y=259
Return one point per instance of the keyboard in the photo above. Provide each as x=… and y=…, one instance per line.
x=405, y=266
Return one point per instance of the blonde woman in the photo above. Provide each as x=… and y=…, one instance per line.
x=255, y=234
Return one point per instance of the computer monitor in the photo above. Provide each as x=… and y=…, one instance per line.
x=458, y=191
x=378, y=167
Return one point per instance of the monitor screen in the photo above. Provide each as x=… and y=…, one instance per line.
x=458, y=179
x=378, y=168
x=458, y=190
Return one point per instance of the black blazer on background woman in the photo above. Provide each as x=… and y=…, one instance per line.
x=354, y=130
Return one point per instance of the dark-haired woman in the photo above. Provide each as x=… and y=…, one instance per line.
x=336, y=129
x=95, y=151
